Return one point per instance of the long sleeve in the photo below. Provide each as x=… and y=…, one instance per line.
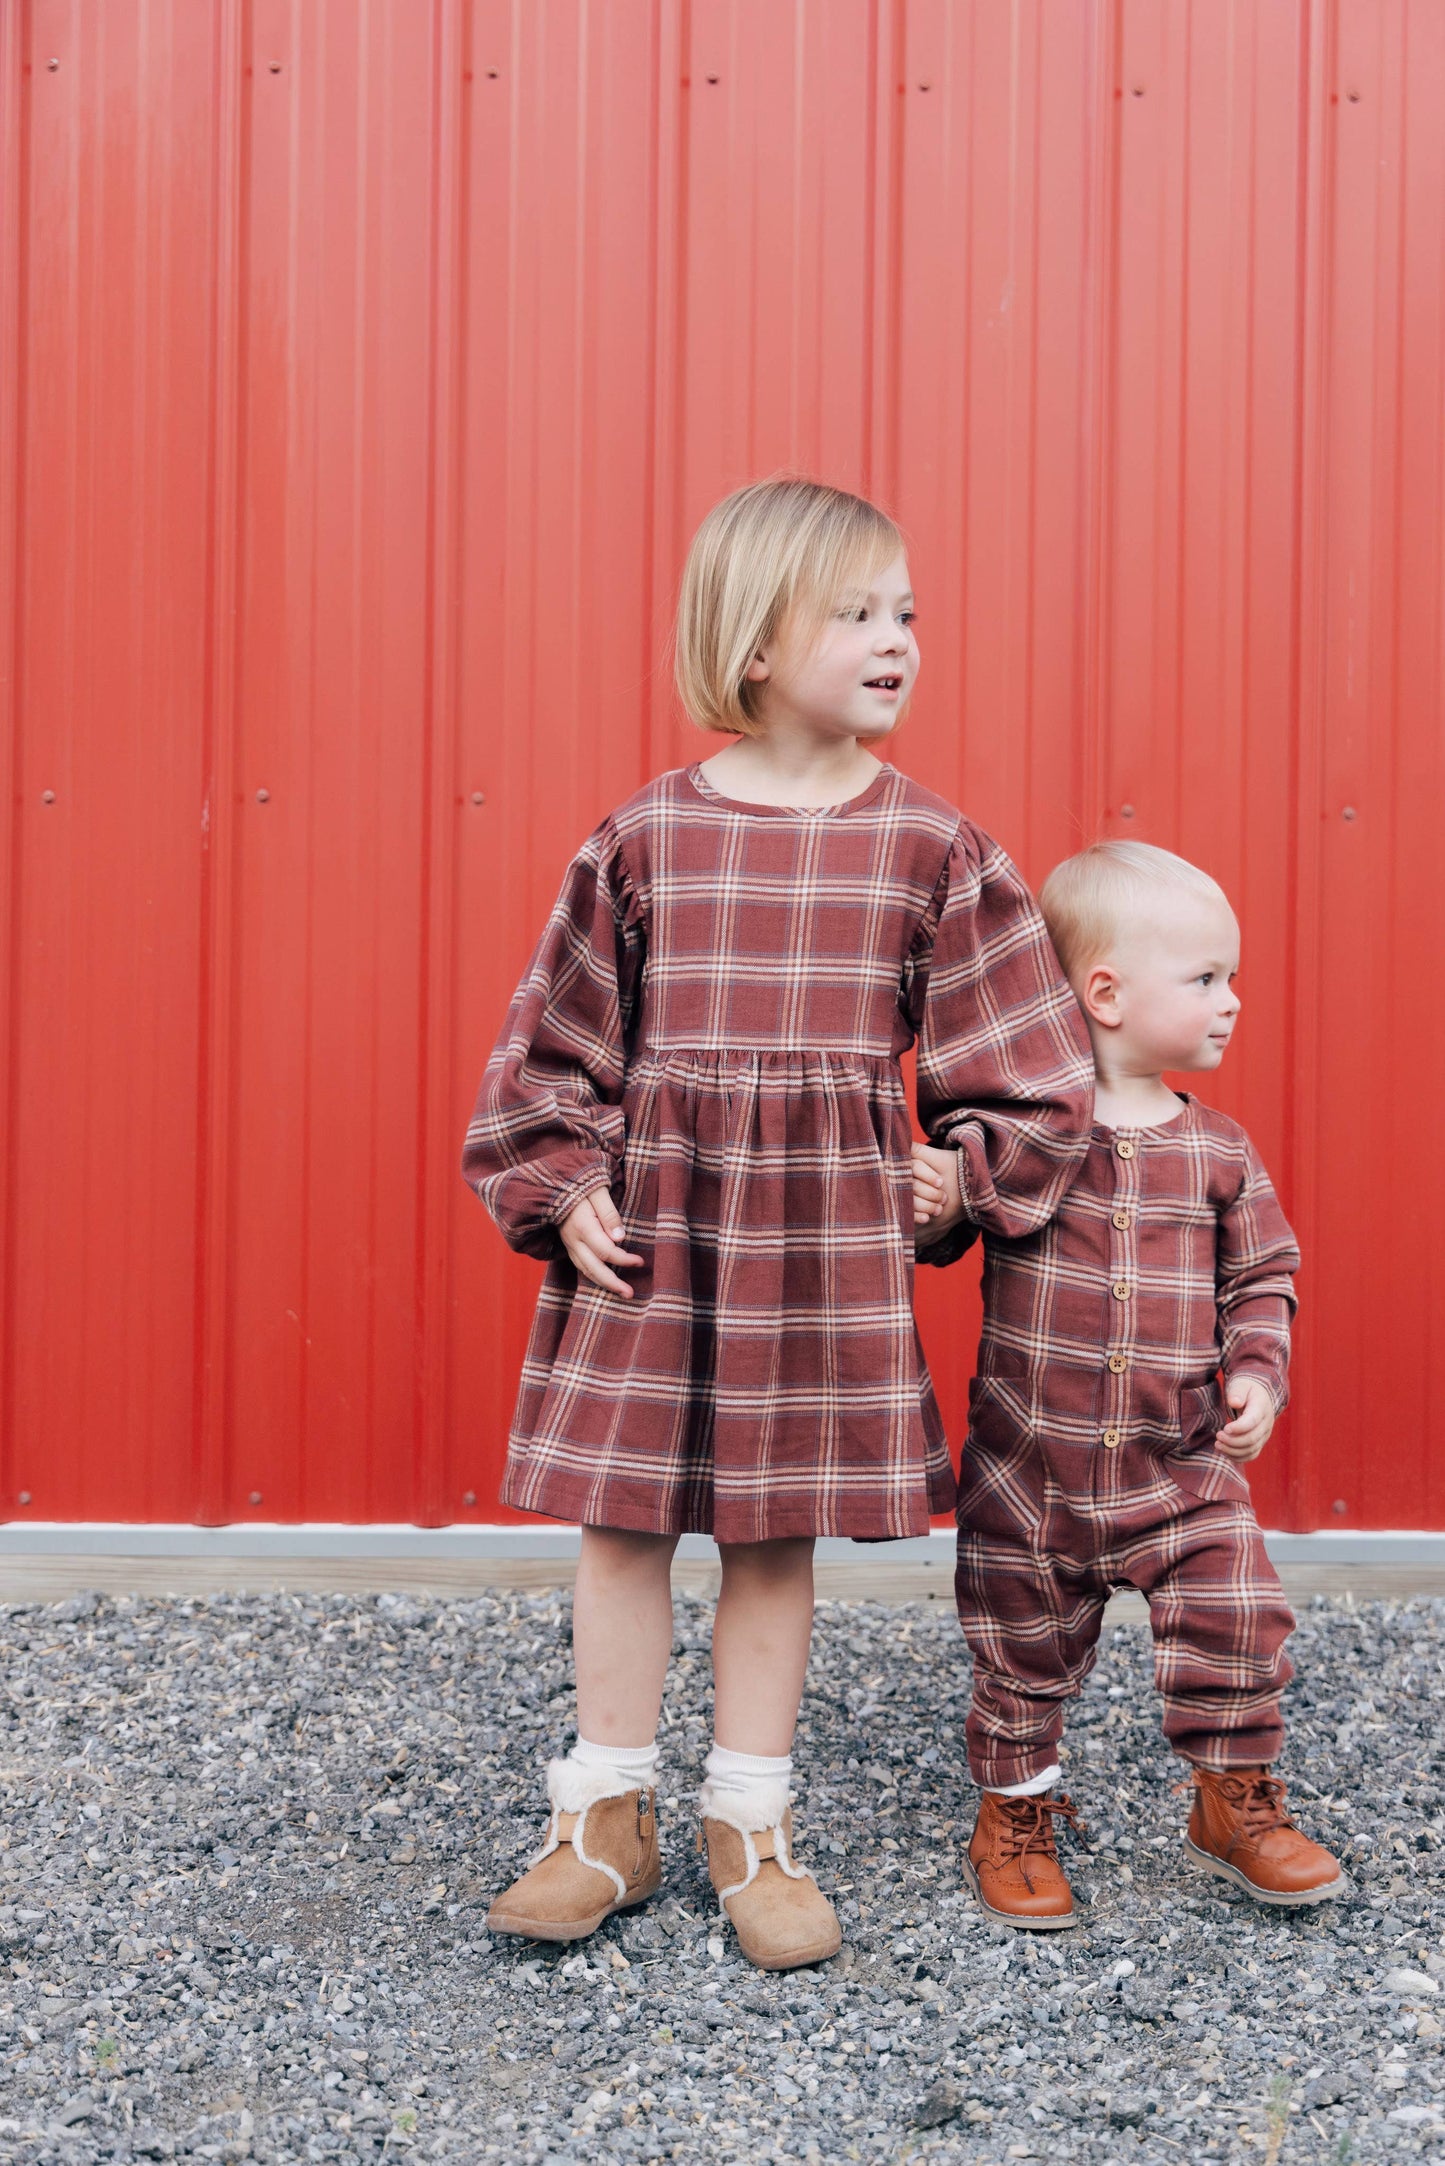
x=1005, y=1074
x=1255, y=1261
x=548, y=1124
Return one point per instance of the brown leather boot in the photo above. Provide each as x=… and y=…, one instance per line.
x=781, y=1916
x=1013, y=1866
x=600, y=1855
x=1238, y=1828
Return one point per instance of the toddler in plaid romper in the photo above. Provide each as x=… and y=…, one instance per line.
x=1102, y=1450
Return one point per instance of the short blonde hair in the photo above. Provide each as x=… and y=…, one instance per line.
x=1086, y=899
x=777, y=547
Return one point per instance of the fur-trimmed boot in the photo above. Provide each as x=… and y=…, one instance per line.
x=600, y=1855
x=781, y=1916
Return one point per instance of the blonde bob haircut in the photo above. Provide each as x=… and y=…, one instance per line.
x=779, y=548
x=1087, y=900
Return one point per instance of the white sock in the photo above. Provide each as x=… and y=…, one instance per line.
x=638, y=1761
x=1034, y=1787
x=742, y=1772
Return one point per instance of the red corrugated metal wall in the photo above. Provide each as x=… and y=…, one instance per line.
x=372, y=363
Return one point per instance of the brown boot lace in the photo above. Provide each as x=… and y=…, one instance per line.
x=1259, y=1801
x=1029, y=1825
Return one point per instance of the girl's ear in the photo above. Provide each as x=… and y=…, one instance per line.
x=1099, y=996
x=758, y=670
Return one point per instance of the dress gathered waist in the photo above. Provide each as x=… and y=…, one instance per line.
x=659, y=1056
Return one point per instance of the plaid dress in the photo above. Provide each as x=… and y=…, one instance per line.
x=711, y=1026
x=1090, y=1461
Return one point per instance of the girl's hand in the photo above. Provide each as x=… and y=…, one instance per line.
x=1247, y=1435
x=937, y=1198
x=592, y=1234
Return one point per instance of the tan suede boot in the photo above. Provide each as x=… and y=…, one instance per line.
x=1012, y=1864
x=1238, y=1828
x=781, y=1916
x=600, y=1855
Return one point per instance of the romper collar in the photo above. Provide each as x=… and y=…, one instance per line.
x=1186, y=1119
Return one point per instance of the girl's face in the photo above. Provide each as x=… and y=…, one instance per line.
x=853, y=678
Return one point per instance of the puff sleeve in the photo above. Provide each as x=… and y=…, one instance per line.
x=1005, y=1071
x=548, y=1124
x=1256, y=1257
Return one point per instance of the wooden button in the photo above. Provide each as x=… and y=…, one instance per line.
x=1113, y=1438
x=1117, y=1364
x=1123, y=1221
x=1120, y=1289
x=1126, y=1147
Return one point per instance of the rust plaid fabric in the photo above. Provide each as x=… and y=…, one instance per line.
x=711, y=1025
x=1090, y=1461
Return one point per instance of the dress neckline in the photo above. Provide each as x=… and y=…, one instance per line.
x=711, y=795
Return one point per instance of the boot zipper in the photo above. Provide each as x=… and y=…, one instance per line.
x=644, y=1808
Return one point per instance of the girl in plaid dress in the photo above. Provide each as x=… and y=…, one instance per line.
x=695, y=1114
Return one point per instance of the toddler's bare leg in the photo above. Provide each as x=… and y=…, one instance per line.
x=760, y=1641
x=622, y=1634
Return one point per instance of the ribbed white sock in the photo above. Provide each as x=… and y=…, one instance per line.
x=1034, y=1787
x=744, y=1771
x=638, y=1761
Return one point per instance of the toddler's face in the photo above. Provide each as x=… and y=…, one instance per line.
x=1174, y=991
x=853, y=678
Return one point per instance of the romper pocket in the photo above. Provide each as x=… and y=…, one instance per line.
x=1000, y=1481
x=1194, y=1464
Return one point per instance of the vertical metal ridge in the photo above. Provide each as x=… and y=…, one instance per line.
x=436, y=963
x=14, y=230
x=1098, y=378
x=666, y=362
x=218, y=840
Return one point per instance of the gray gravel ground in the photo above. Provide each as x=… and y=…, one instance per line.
x=247, y=1845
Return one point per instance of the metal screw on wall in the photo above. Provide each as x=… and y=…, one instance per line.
x=24, y=1497
x=52, y=65
x=469, y=1496
x=255, y=1496
x=263, y=797
x=47, y=797
x=1349, y=813
x=1126, y=812
x=478, y=798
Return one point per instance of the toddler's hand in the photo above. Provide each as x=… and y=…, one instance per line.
x=1253, y=1409
x=591, y=1234
x=937, y=1198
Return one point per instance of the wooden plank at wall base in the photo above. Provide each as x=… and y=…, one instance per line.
x=51, y=1579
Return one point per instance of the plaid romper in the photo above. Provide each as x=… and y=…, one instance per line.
x=711, y=1026
x=1090, y=1461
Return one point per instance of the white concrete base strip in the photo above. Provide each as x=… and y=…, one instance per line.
x=1328, y=1548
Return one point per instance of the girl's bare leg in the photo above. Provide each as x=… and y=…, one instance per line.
x=622, y=1634
x=760, y=1641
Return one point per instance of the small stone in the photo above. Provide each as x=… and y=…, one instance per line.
x=938, y=2106
x=75, y=1607
x=1414, y=1984
x=1128, y=2110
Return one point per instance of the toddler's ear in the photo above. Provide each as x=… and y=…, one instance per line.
x=1098, y=995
